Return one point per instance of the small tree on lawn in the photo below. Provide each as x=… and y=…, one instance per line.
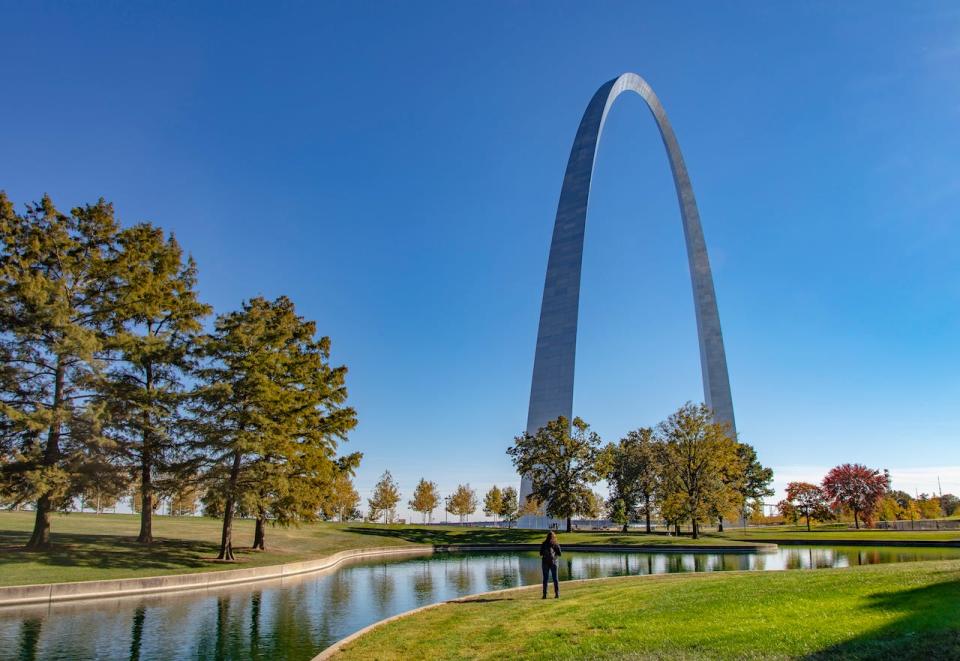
x=509, y=507
x=856, y=487
x=808, y=500
x=425, y=499
x=463, y=502
x=493, y=502
x=386, y=495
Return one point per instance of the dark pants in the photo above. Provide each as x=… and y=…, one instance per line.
x=548, y=569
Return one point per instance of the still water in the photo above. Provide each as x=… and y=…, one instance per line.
x=296, y=618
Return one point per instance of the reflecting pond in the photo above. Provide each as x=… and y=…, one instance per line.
x=297, y=617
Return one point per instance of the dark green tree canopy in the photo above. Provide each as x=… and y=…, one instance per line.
x=561, y=460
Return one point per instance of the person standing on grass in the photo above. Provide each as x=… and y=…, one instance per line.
x=549, y=552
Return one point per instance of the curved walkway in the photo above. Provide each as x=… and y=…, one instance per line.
x=22, y=595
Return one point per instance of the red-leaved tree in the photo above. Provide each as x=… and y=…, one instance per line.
x=809, y=500
x=857, y=487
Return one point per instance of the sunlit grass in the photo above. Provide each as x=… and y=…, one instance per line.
x=884, y=611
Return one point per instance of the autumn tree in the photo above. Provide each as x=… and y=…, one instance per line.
x=753, y=483
x=463, y=502
x=856, y=487
x=561, y=460
x=386, y=495
x=630, y=468
x=54, y=279
x=425, y=499
x=808, y=500
x=268, y=414
x=593, y=506
x=493, y=502
x=697, y=456
x=344, y=498
x=184, y=497
x=509, y=507
x=155, y=319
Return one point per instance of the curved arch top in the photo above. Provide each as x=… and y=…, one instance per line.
x=551, y=392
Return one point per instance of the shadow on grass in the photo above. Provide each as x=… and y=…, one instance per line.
x=107, y=552
x=505, y=536
x=929, y=626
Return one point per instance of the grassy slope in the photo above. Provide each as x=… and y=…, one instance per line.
x=832, y=532
x=90, y=547
x=883, y=611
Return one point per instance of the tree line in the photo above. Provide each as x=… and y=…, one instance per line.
x=862, y=492
x=501, y=504
x=687, y=469
x=109, y=379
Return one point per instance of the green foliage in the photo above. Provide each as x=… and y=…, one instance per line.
x=268, y=415
x=54, y=284
x=701, y=467
x=155, y=319
x=631, y=468
x=493, y=502
x=509, y=505
x=425, y=499
x=462, y=502
x=562, y=461
x=383, y=502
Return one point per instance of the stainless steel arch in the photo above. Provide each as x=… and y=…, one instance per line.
x=551, y=393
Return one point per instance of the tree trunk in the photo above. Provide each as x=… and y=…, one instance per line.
x=720, y=524
x=146, y=469
x=569, y=525
x=856, y=522
x=647, y=512
x=259, y=532
x=696, y=530
x=626, y=526
x=226, y=539
x=146, y=498
x=40, y=539
x=808, y=521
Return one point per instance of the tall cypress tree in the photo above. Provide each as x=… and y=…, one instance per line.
x=156, y=318
x=269, y=413
x=54, y=281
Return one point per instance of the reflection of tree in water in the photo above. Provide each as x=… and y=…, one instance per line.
x=331, y=604
x=529, y=568
x=589, y=568
x=675, y=564
x=255, y=599
x=457, y=575
x=423, y=583
x=382, y=584
x=30, y=638
x=291, y=635
x=733, y=562
x=136, y=635
x=501, y=572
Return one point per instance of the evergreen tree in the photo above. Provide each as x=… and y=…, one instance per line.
x=386, y=495
x=425, y=499
x=54, y=277
x=562, y=462
x=269, y=414
x=156, y=317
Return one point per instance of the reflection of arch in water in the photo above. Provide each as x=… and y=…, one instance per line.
x=551, y=391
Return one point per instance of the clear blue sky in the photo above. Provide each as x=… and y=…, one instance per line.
x=395, y=169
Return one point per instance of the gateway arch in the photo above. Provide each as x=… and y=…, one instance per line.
x=551, y=393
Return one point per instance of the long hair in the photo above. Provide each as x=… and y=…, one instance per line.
x=551, y=537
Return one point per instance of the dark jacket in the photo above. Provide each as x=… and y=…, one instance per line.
x=549, y=552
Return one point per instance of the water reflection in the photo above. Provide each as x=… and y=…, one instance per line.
x=296, y=617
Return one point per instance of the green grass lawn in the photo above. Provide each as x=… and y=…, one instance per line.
x=835, y=532
x=895, y=611
x=90, y=547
